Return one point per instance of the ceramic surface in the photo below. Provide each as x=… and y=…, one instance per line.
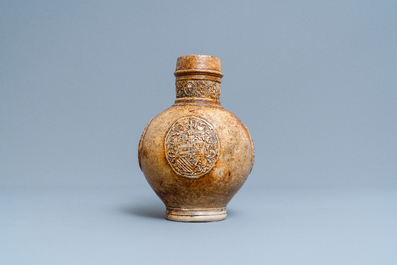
x=196, y=155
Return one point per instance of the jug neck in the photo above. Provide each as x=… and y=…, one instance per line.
x=198, y=78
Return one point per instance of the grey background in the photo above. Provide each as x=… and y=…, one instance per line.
x=314, y=81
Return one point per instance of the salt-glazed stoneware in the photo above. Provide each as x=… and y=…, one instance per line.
x=196, y=155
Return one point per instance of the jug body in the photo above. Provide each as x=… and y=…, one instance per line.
x=196, y=155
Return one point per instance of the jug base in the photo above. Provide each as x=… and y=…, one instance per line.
x=195, y=214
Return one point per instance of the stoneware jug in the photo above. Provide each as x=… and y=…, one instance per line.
x=196, y=155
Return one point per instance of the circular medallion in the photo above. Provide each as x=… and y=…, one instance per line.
x=191, y=147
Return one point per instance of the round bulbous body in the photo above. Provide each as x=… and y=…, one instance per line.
x=196, y=156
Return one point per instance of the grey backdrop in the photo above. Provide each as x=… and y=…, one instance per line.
x=314, y=81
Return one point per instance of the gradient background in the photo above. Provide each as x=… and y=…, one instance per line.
x=314, y=81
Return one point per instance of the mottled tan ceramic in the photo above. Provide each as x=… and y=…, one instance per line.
x=196, y=155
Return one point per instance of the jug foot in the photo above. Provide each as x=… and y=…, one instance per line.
x=196, y=214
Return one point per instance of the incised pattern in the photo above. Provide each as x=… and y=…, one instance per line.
x=198, y=88
x=191, y=147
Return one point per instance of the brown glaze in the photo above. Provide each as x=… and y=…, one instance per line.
x=196, y=155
